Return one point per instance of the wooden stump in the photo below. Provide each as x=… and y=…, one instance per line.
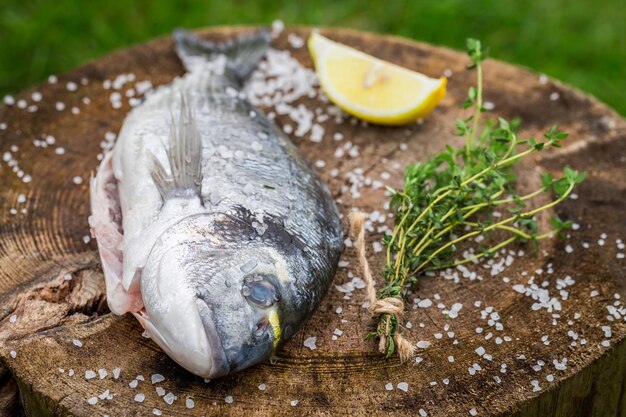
x=54, y=321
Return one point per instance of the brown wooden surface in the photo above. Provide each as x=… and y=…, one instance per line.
x=343, y=376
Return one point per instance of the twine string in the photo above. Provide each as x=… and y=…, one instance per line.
x=389, y=306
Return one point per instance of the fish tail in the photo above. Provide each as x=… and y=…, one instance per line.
x=242, y=53
x=184, y=156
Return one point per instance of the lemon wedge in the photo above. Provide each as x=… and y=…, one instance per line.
x=370, y=88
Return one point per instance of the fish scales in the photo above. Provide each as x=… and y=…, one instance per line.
x=228, y=239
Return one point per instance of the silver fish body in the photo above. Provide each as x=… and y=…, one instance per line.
x=212, y=228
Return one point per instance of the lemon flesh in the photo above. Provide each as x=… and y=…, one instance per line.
x=370, y=88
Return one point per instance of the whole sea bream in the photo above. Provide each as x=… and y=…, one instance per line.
x=212, y=228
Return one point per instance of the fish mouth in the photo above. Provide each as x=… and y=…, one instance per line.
x=205, y=357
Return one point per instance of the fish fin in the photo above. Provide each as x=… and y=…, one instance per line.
x=242, y=53
x=184, y=156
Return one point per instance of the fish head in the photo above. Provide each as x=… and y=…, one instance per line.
x=217, y=299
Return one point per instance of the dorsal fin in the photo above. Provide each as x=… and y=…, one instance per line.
x=184, y=156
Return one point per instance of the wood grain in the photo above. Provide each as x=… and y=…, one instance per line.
x=39, y=248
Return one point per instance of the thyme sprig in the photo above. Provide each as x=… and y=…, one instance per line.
x=453, y=197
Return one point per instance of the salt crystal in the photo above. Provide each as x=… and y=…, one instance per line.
x=116, y=373
x=550, y=377
x=156, y=378
x=189, y=403
x=229, y=399
x=473, y=412
x=104, y=395
x=77, y=342
x=294, y=403
x=169, y=398
x=554, y=96
x=140, y=397
x=13, y=318
x=13, y=354
x=60, y=106
x=102, y=373
x=77, y=180
x=480, y=351
x=423, y=344
x=133, y=383
x=425, y=303
x=262, y=387
x=9, y=100
x=309, y=342
x=403, y=386
x=450, y=359
x=389, y=386
x=156, y=412
x=92, y=401
x=422, y=412
x=606, y=343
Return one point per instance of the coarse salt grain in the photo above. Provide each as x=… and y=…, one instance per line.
x=294, y=403
x=389, y=386
x=92, y=401
x=229, y=399
x=116, y=373
x=13, y=354
x=473, y=412
x=140, y=397
x=169, y=398
x=262, y=387
x=189, y=403
x=77, y=342
x=89, y=374
x=102, y=373
x=423, y=344
x=403, y=386
x=133, y=383
x=309, y=342
x=156, y=378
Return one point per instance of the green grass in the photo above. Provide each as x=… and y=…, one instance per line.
x=580, y=42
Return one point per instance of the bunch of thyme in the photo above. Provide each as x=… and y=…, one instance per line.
x=451, y=197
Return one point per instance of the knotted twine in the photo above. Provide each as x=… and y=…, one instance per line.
x=389, y=306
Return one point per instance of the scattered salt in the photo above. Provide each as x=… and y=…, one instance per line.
x=403, y=386
x=140, y=397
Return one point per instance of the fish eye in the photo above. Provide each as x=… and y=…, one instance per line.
x=260, y=291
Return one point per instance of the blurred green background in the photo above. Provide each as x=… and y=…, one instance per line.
x=581, y=42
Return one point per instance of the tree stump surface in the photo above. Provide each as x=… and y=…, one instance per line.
x=52, y=295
